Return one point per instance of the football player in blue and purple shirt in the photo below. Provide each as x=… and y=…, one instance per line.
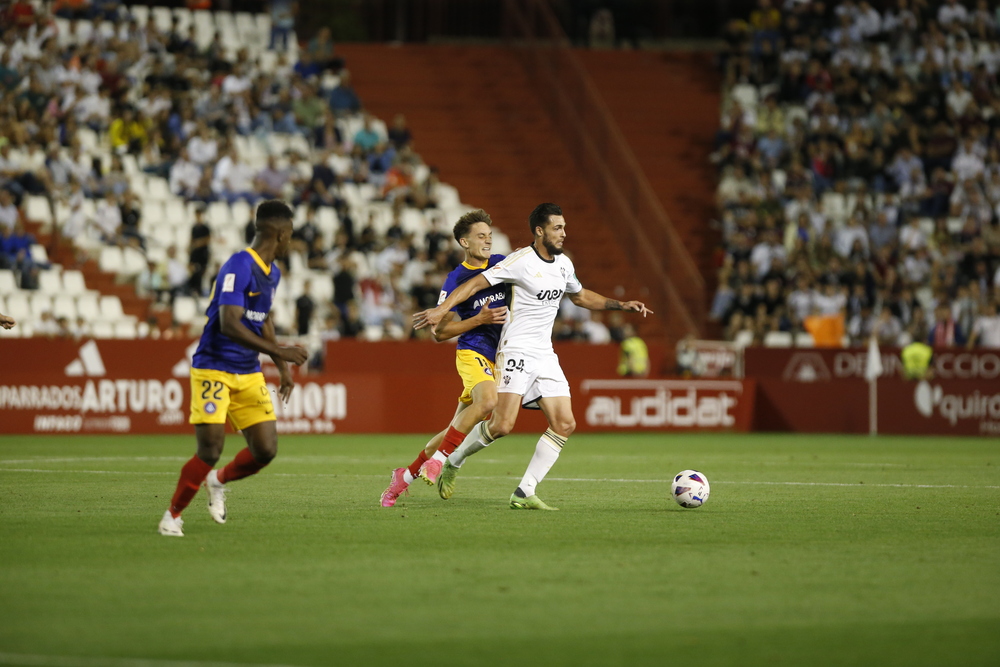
x=479, y=321
x=226, y=380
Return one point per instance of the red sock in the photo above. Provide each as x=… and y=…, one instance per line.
x=192, y=475
x=242, y=466
x=414, y=467
x=452, y=440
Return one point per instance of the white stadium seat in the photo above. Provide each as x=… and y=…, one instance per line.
x=111, y=260
x=157, y=189
x=63, y=305
x=40, y=303
x=38, y=254
x=73, y=283
x=124, y=329
x=49, y=283
x=111, y=308
x=18, y=306
x=185, y=309
x=37, y=209
x=134, y=262
x=777, y=339
x=88, y=307
x=8, y=284
x=102, y=329
x=803, y=339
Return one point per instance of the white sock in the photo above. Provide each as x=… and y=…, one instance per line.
x=439, y=456
x=479, y=438
x=546, y=452
x=408, y=476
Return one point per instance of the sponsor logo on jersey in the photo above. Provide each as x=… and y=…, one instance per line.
x=229, y=282
x=486, y=300
x=254, y=315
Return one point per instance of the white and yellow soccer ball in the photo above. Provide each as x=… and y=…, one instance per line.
x=690, y=488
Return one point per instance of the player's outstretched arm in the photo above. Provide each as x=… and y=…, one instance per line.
x=448, y=329
x=6, y=321
x=594, y=301
x=231, y=326
x=432, y=316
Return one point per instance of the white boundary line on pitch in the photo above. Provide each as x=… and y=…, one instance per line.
x=551, y=479
x=79, y=661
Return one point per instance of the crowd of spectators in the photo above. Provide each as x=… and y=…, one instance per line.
x=89, y=102
x=859, y=161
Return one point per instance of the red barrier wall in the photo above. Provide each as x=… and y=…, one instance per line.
x=823, y=391
x=142, y=386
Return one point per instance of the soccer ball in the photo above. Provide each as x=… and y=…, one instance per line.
x=690, y=488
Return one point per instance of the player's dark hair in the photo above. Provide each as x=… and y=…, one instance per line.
x=465, y=223
x=272, y=213
x=540, y=216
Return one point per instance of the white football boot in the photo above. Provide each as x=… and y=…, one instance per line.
x=170, y=526
x=216, y=497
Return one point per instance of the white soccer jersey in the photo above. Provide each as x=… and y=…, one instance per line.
x=539, y=286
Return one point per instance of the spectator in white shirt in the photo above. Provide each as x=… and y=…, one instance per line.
x=185, y=176
x=831, y=301
x=109, y=219
x=912, y=237
x=765, y=252
x=968, y=164
x=986, y=329
x=845, y=237
x=234, y=179
x=202, y=148
x=958, y=98
x=952, y=10
x=802, y=300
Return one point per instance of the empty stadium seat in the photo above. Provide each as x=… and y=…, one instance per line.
x=37, y=209
x=88, y=307
x=133, y=262
x=185, y=309
x=102, y=329
x=49, y=282
x=64, y=305
x=38, y=254
x=18, y=306
x=124, y=330
x=111, y=260
x=73, y=282
x=803, y=339
x=8, y=284
x=111, y=308
x=743, y=339
x=777, y=339
x=152, y=214
x=218, y=214
x=40, y=303
x=158, y=189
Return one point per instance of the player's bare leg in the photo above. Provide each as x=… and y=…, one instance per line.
x=484, y=400
x=559, y=412
x=480, y=436
x=210, y=439
x=262, y=447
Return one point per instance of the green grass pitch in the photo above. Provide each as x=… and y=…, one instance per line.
x=812, y=550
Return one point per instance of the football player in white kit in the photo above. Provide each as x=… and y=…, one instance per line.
x=527, y=368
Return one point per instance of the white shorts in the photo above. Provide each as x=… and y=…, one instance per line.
x=530, y=375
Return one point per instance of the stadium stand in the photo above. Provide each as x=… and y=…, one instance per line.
x=859, y=155
x=117, y=130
